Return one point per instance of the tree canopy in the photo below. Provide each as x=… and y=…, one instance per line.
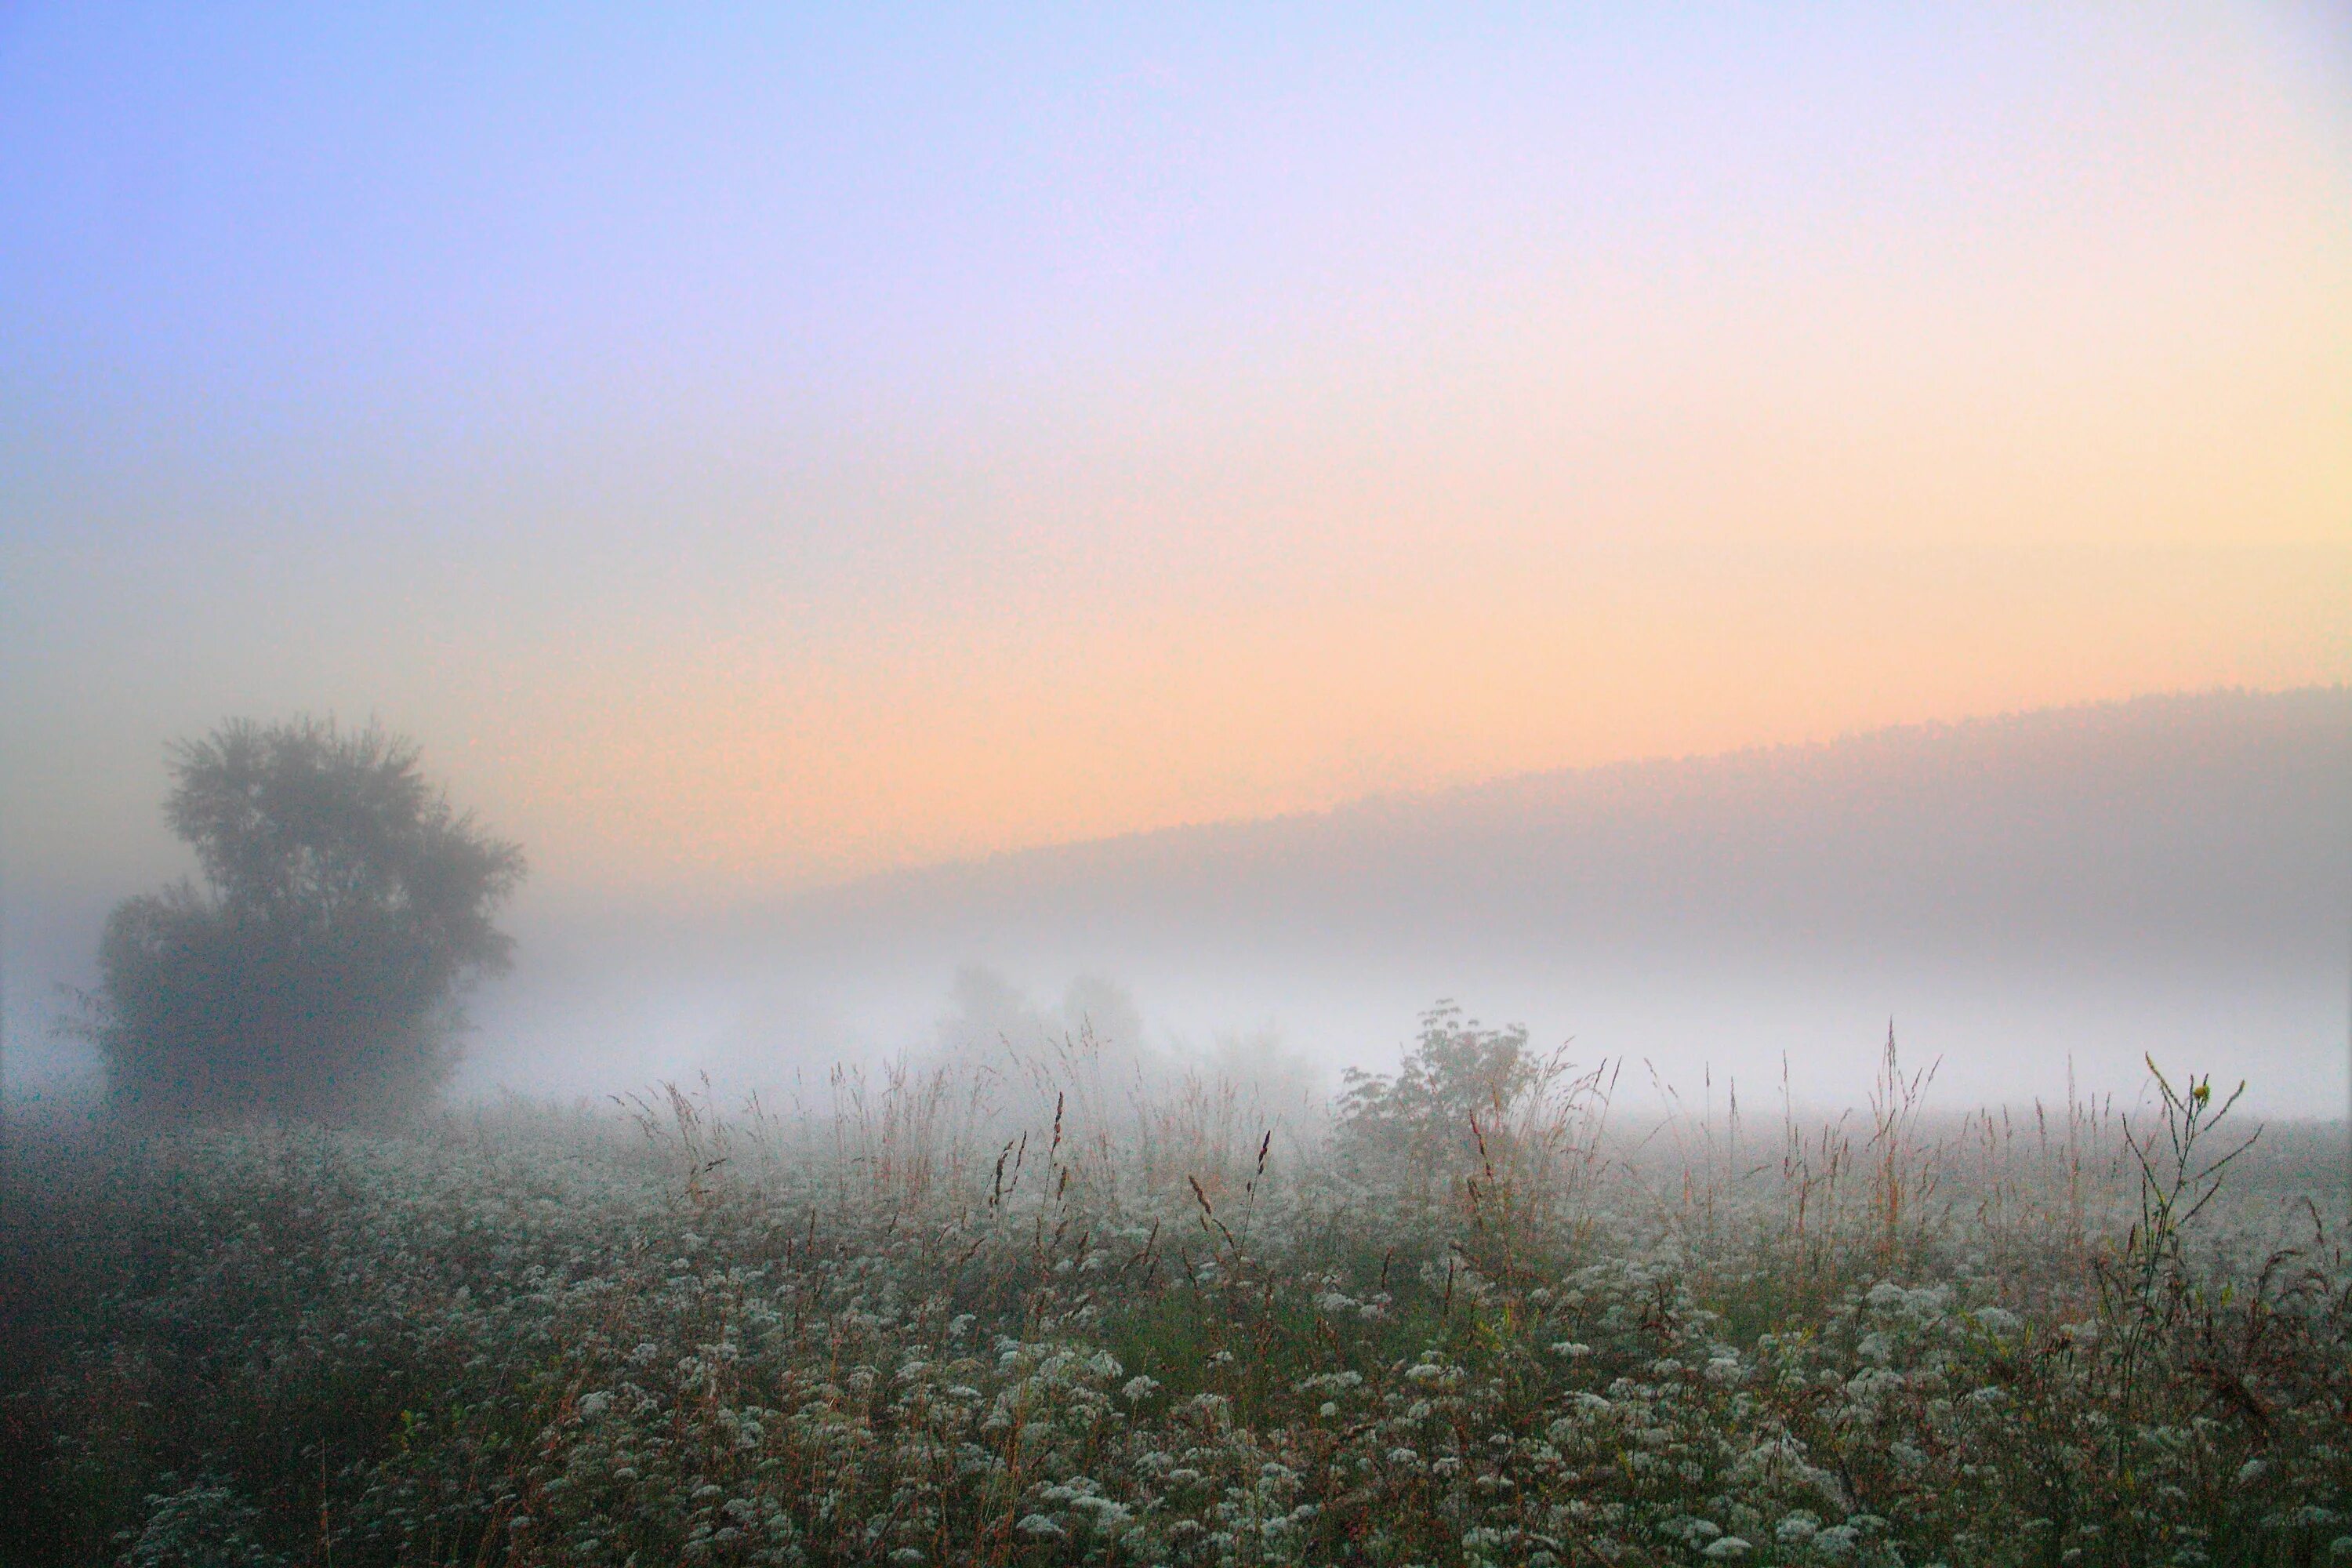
x=346, y=907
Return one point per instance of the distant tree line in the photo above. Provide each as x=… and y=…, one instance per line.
x=317, y=972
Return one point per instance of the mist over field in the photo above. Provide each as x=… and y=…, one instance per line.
x=2169, y=877
x=1176, y=786
x=2022, y=897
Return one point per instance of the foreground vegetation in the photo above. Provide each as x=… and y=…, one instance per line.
x=1466, y=1321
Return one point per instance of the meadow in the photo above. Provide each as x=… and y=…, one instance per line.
x=1041, y=1311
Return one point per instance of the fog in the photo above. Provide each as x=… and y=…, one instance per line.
x=2024, y=898
x=2020, y=897
x=1213, y=533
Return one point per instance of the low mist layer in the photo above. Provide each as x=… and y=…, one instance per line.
x=2169, y=876
x=2068, y=891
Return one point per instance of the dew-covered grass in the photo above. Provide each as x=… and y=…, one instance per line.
x=925, y=1326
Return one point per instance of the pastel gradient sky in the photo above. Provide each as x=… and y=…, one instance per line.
x=753, y=447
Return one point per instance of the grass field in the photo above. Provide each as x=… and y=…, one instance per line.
x=999, y=1315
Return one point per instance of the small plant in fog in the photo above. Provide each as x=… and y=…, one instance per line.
x=1457, y=1081
x=1475, y=1118
x=345, y=905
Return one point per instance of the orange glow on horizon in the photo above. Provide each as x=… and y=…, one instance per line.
x=708, y=775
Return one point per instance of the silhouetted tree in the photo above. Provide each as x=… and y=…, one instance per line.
x=317, y=973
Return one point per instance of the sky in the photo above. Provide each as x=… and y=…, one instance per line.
x=753, y=448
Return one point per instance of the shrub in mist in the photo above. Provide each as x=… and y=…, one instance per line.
x=1455, y=1086
x=316, y=974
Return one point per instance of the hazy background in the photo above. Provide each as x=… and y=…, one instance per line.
x=757, y=452
x=2073, y=889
